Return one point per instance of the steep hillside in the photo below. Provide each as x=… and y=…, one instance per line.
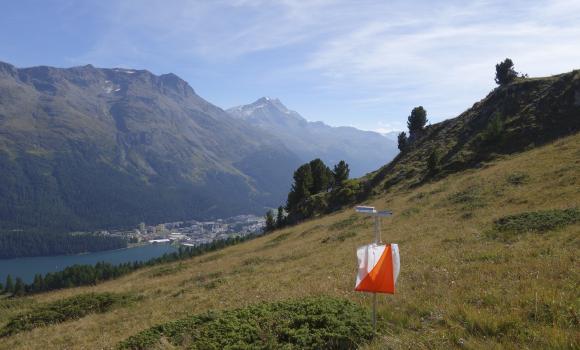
x=511, y=118
x=518, y=116
x=364, y=151
x=472, y=274
x=86, y=148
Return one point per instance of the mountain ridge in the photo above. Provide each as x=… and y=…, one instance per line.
x=363, y=150
x=151, y=138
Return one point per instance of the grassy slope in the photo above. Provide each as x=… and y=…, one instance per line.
x=456, y=285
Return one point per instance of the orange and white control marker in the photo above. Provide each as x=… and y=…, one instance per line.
x=378, y=268
x=378, y=264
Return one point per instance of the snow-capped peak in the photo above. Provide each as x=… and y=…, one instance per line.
x=265, y=107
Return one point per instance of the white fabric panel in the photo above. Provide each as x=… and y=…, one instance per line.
x=396, y=261
x=368, y=256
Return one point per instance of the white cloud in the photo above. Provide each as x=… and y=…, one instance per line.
x=213, y=30
x=450, y=54
x=389, y=127
x=369, y=53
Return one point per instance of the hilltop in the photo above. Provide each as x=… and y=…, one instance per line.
x=488, y=247
x=521, y=115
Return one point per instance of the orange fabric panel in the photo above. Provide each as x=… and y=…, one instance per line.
x=380, y=279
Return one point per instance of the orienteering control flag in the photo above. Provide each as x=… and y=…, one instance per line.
x=378, y=268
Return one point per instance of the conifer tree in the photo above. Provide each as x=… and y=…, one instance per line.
x=270, y=223
x=341, y=173
x=321, y=176
x=38, y=284
x=504, y=72
x=417, y=120
x=402, y=141
x=301, y=187
x=433, y=162
x=280, y=222
x=9, y=288
x=19, y=287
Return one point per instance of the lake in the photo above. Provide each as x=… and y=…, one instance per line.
x=26, y=268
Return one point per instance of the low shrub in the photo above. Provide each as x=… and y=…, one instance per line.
x=312, y=323
x=538, y=221
x=315, y=205
x=64, y=310
x=518, y=178
x=347, y=194
x=468, y=199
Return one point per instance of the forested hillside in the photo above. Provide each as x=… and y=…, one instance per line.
x=87, y=148
x=18, y=244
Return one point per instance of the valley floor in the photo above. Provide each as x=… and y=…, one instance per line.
x=460, y=286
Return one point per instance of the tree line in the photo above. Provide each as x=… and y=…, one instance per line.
x=16, y=244
x=82, y=275
x=417, y=120
x=315, y=189
x=318, y=189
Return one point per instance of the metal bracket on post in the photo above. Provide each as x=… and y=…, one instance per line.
x=377, y=214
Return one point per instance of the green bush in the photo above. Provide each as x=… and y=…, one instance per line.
x=312, y=323
x=314, y=205
x=347, y=194
x=538, y=221
x=468, y=199
x=64, y=310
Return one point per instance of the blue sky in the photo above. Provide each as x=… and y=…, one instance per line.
x=360, y=63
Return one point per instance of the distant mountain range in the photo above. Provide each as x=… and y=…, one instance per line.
x=88, y=148
x=364, y=151
x=85, y=148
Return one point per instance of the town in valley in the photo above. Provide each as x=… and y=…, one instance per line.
x=191, y=232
